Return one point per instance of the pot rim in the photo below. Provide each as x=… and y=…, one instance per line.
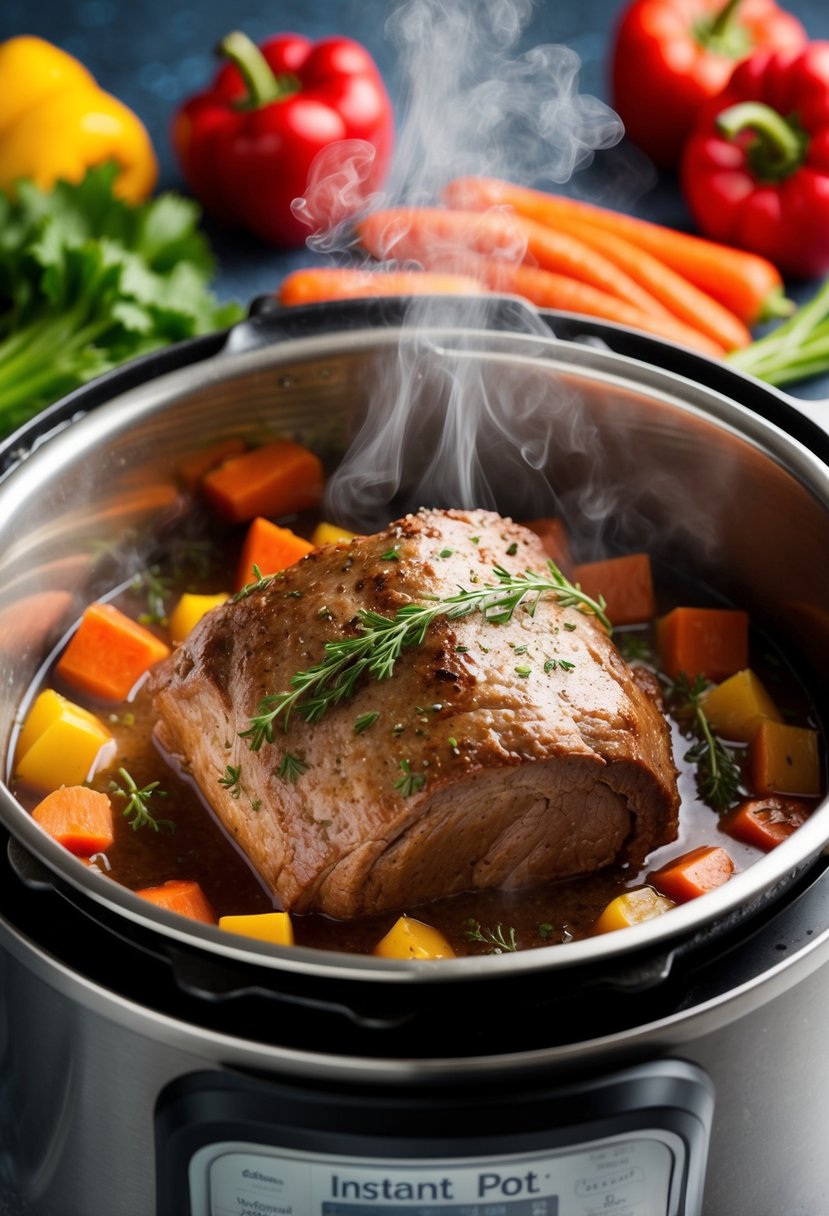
x=96, y=410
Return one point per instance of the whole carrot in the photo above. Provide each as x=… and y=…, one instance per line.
x=436, y=236
x=548, y=290
x=315, y=284
x=749, y=285
x=678, y=295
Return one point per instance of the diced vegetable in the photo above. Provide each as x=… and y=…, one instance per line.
x=272, y=927
x=329, y=534
x=194, y=467
x=277, y=479
x=409, y=938
x=189, y=611
x=632, y=908
x=712, y=642
x=785, y=759
x=269, y=548
x=181, y=895
x=693, y=873
x=626, y=584
x=552, y=533
x=109, y=653
x=60, y=743
x=736, y=707
x=77, y=817
x=765, y=822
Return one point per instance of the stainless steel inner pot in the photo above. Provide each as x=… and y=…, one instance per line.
x=637, y=456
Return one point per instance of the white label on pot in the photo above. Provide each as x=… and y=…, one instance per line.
x=637, y=1175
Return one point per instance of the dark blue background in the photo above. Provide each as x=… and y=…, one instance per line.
x=155, y=53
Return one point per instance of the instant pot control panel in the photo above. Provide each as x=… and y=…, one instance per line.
x=633, y=1143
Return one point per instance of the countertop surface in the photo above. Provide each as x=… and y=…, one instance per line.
x=153, y=55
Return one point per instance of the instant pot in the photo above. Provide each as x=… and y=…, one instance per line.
x=150, y=1065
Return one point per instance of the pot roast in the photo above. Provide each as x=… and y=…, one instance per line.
x=496, y=755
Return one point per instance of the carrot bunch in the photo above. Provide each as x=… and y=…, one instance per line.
x=559, y=253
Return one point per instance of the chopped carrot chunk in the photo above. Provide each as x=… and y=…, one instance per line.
x=693, y=873
x=552, y=532
x=109, y=653
x=626, y=583
x=77, y=817
x=183, y=896
x=192, y=470
x=765, y=822
x=269, y=548
x=412, y=939
x=632, y=908
x=711, y=642
x=277, y=479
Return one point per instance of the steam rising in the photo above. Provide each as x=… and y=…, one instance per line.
x=435, y=432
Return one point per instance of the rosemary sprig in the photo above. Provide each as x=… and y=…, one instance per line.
x=382, y=639
x=259, y=583
x=231, y=778
x=718, y=773
x=137, y=800
x=494, y=938
x=291, y=767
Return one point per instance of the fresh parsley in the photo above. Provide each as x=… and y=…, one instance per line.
x=230, y=779
x=88, y=281
x=410, y=783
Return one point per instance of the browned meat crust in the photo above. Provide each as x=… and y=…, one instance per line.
x=532, y=771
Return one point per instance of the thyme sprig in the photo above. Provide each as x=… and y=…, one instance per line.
x=718, y=773
x=382, y=640
x=494, y=938
x=136, y=810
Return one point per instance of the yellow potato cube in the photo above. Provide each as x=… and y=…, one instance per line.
x=785, y=760
x=273, y=927
x=329, y=534
x=632, y=908
x=736, y=707
x=60, y=744
x=408, y=938
x=189, y=611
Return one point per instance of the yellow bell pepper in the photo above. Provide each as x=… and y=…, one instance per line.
x=632, y=908
x=60, y=743
x=55, y=123
x=189, y=611
x=329, y=534
x=274, y=927
x=736, y=707
x=409, y=938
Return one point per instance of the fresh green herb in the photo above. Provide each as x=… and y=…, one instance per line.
x=446, y=552
x=88, y=281
x=512, y=549
x=523, y=672
x=633, y=647
x=324, y=614
x=410, y=783
x=382, y=640
x=157, y=588
x=718, y=772
x=452, y=741
x=494, y=938
x=260, y=583
x=461, y=650
x=290, y=768
x=136, y=810
x=550, y=665
x=391, y=555
x=230, y=780
x=518, y=649
x=476, y=540
x=569, y=626
x=545, y=930
x=364, y=721
x=566, y=665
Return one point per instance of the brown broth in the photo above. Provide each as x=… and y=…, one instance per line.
x=200, y=849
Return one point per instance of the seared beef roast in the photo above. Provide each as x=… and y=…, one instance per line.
x=501, y=755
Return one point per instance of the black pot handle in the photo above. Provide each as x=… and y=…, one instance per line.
x=269, y=322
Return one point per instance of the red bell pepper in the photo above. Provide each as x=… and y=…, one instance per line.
x=755, y=173
x=671, y=56
x=246, y=145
